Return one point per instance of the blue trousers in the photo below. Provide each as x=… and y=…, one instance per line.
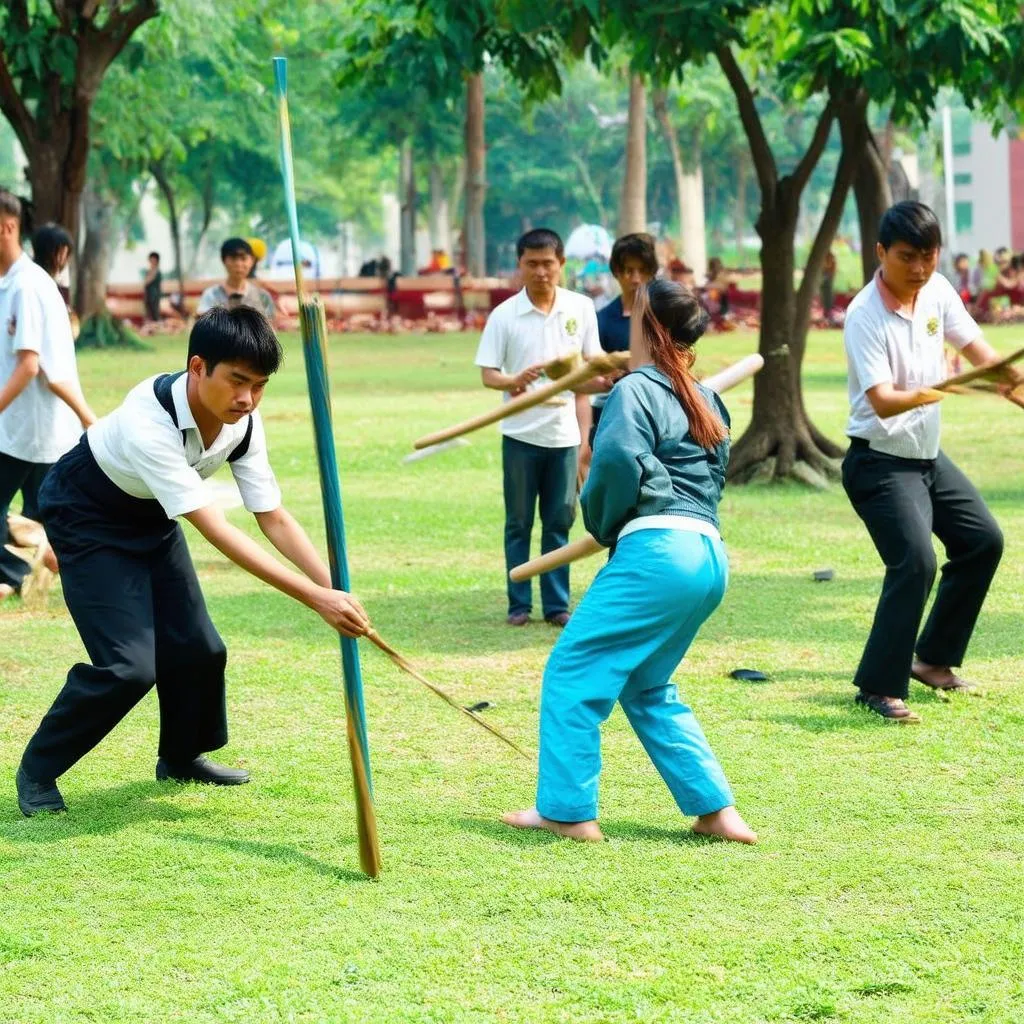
x=547, y=475
x=622, y=644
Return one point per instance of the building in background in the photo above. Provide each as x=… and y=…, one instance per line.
x=988, y=186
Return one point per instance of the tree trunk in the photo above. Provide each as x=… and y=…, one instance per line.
x=740, y=210
x=870, y=188
x=689, y=190
x=174, y=219
x=633, y=207
x=53, y=127
x=95, y=255
x=780, y=442
x=473, y=234
x=440, y=224
x=407, y=200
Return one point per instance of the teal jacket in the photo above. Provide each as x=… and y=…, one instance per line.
x=645, y=463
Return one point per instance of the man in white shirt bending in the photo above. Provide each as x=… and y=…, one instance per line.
x=540, y=445
x=898, y=480
x=42, y=411
x=110, y=508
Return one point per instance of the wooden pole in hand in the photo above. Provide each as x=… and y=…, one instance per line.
x=314, y=338
x=590, y=368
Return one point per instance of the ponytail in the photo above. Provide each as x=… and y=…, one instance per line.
x=672, y=320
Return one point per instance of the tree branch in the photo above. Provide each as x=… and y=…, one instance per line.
x=98, y=47
x=764, y=161
x=14, y=109
x=802, y=174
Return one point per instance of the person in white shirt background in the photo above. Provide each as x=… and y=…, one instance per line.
x=540, y=446
x=110, y=508
x=42, y=410
x=899, y=481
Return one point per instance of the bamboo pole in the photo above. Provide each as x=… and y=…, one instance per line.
x=595, y=366
x=314, y=340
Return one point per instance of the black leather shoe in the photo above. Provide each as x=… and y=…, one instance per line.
x=201, y=769
x=34, y=797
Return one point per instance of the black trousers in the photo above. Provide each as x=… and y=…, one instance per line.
x=903, y=502
x=132, y=591
x=17, y=475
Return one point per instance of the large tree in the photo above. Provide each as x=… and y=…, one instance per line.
x=53, y=56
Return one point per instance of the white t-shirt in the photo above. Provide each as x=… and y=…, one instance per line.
x=518, y=335
x=141, y=450
x=889, y=345
x=37, y=426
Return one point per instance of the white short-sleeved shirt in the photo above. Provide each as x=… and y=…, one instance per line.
x=518, y=335
x=141, y=450
x=887, y=344
x=37, y=426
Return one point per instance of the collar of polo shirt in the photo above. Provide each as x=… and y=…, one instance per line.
x=525, y=305
x=890, y=301
x=179, y=394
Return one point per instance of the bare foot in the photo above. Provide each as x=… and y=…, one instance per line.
x=583, y=831
x=6, y=591
x=726, y=824
x=50, y=560
x=938, y=677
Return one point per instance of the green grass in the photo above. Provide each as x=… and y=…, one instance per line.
x=887, y=886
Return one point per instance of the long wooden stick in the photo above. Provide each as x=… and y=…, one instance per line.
x=374, y=637
x=993, y=371
x=586, y=546
x=314, y=340
x=589, y=545
x=590, y=368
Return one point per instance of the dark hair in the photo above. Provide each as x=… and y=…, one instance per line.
x=961, y=256
x=233, y=246
x=154, y=254
x=540, y=238
x=912, y=223
x=638, y=246
x=239, y=335
x=10, y=204
x=47, y=242
x=672, y=321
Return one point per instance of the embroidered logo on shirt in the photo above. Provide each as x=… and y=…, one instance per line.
x=570, y=327
x=12, y=325
x=932, y=326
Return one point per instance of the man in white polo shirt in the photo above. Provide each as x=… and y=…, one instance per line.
x=540, y=445
x=897, y=478
x=37, y=361
x=110, y=508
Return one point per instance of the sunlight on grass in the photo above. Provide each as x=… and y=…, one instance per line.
x=887, y=887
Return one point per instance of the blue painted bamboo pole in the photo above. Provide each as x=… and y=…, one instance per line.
x=314, y=349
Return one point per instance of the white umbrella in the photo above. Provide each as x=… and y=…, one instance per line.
x=282, y=258
x=588, y=240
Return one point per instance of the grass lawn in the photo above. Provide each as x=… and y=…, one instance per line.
x=888, y=885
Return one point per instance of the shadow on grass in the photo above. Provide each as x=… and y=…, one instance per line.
x=275, y=852
x=495, y=828
x=99, y=812
x=848, y=715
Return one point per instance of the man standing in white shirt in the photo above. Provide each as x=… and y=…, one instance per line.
x=540, y=445
x=899, y=482
x=110, y=508
x=37, y=367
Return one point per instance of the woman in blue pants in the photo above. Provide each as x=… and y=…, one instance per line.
x=652, y=494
